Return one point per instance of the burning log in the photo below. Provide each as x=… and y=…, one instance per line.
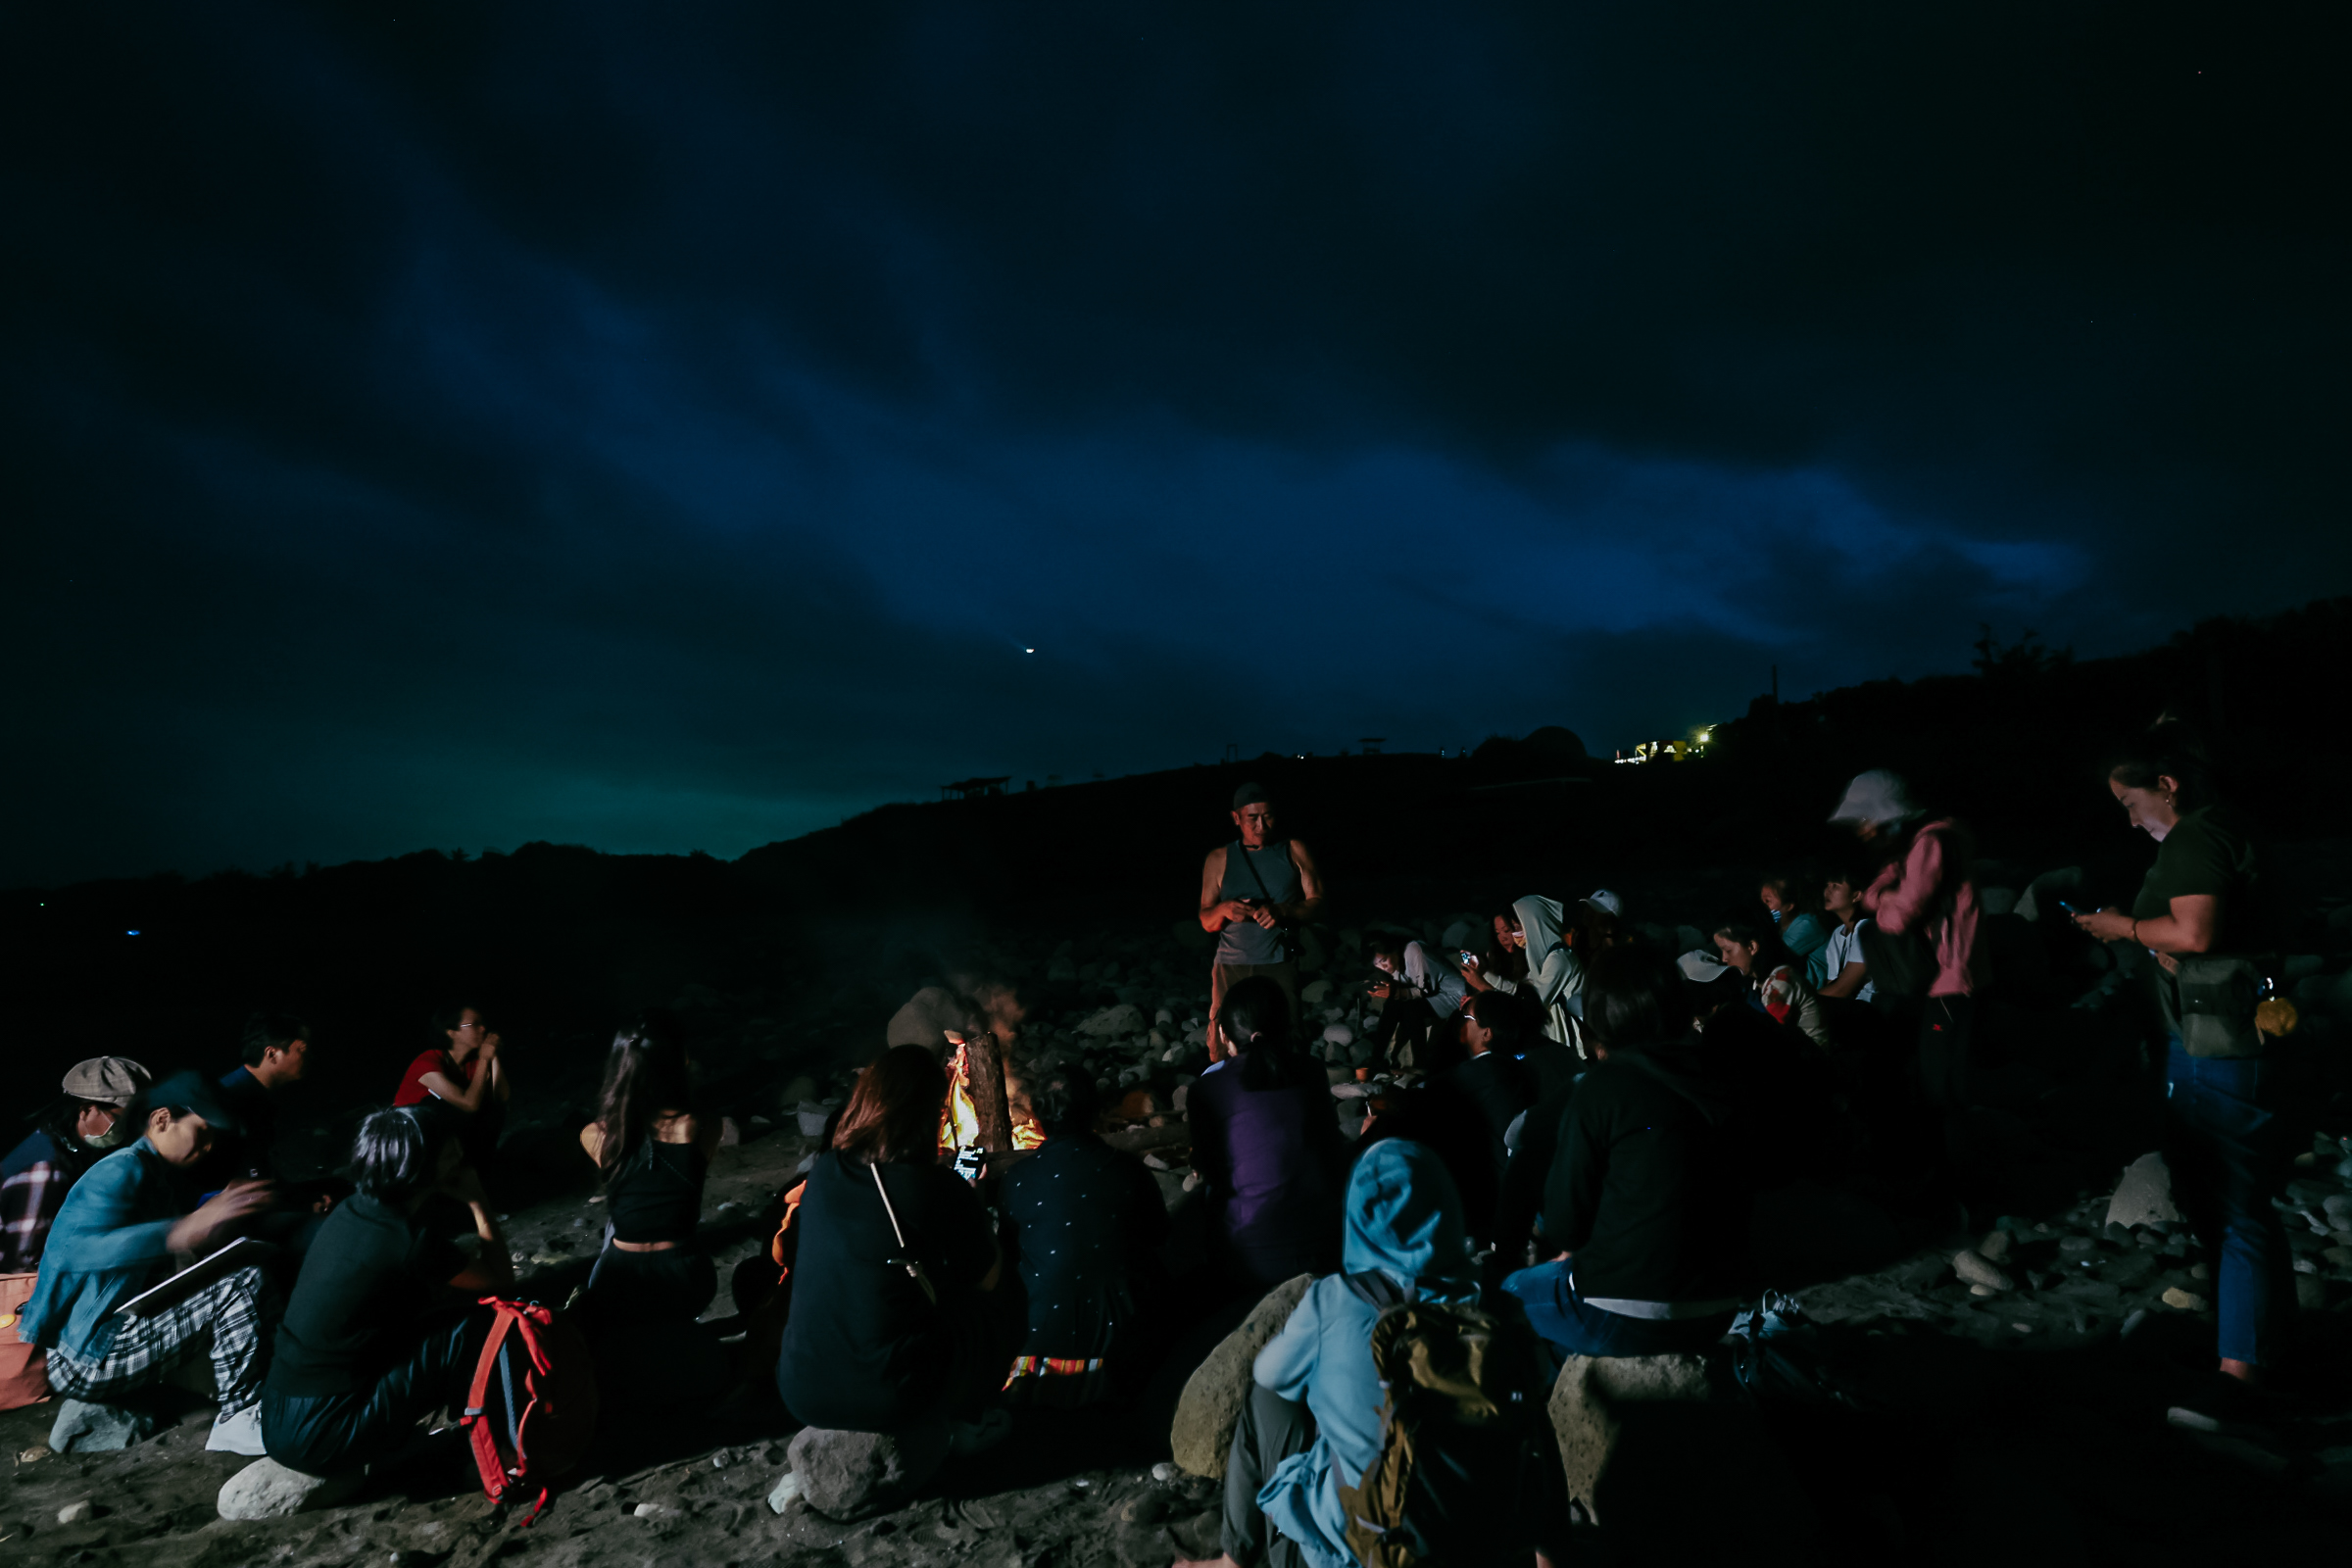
x=982, y=1072
x=979, y=1111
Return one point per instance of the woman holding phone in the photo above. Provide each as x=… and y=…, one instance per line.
x=2197, y=908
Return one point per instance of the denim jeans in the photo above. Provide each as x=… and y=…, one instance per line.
x=2222, y=1143
x=332, y=1434
x=1574, y=1326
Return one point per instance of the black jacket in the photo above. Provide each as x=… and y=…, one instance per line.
x=1650, y=1190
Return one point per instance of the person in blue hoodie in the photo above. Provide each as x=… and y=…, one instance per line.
x=1312, y=1422
x=115, y=1237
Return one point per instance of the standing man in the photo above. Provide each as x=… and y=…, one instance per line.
x=1251, y=891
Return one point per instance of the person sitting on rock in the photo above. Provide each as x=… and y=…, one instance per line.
x=467, y=1075
x=1775, y=980
x=1266, y=1144
x=92, y=1120
x=1844, y=966
x=653, y=1279
x=1791, y=899
x=277, y=1057
x=1311, y=1424
x=113, y=1238
x=1420, y=997
x=897, y=1323
x=1555, y=945
x=1645, y=1212
x=1087, y=1224
x=378, y=1332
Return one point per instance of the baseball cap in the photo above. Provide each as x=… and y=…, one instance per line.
x=108, y=1080
x=1701, y=968
x=1250, y=795
x=193, y=1091
x=1878, y=795
x=1607, y=903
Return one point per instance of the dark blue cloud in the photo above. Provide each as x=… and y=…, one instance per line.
x=450, y=426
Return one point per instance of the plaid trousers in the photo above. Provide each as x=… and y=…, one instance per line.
x=228, y=1312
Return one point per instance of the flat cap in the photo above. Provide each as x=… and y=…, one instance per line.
x=108, y=1080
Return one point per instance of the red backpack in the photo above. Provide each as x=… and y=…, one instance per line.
x=532, y=1408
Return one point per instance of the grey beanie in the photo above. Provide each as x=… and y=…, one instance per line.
x=1877, y=796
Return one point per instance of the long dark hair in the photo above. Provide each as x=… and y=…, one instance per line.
x=645, y=1075
x=893, y=1115
x=1256, y=1021
x=2167, y=749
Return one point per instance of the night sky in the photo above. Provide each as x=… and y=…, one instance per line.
x=674, y=428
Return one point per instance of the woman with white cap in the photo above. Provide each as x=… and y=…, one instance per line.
x=89, y=1121
x=1922, y=943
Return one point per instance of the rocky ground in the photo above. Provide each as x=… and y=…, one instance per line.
x=2021, y=1390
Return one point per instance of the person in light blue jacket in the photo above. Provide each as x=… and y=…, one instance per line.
x=1403, y=1220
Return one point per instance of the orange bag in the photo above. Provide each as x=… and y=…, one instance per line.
x=24, y=1369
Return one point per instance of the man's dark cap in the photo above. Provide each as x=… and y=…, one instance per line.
x=193, y=1091
x=1250, y=795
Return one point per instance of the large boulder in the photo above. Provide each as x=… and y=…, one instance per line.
x=1633, y=1433
x=267, y=1490
x=82, y=1428
x=2145, y=1196
x=1213, y=1395
x=850, y=1475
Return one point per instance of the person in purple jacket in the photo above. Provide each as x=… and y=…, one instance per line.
x=1266, y=1143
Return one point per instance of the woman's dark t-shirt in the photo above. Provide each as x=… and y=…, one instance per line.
x=2209, y=852
x=864, y=1352
x=360, y=1300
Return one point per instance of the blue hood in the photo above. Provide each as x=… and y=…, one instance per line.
x=1404, y=1218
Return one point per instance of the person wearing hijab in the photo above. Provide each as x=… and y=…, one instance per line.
x=1311, y=1425
x=1556, y=969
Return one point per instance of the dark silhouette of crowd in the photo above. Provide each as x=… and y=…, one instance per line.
x=1550, y=1158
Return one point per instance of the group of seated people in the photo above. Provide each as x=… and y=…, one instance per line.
x=1564, y=1130
x=327, y=1335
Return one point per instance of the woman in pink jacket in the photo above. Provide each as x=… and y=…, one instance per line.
x=1924, y=911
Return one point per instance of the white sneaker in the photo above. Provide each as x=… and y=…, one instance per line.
x=238, y=1434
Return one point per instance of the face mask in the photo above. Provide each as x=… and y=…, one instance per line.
x=114, y=1137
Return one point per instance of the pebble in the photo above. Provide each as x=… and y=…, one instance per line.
x=1978, y=1270
x=1982, y=1290
x=785, y=1493
x=2198, y=1271
x=2077, y=1243
x=2186, y=1301
x=73, y=1513
x=1164, y=1471
x=651, y=1510
x=34, y=1454
x=1994, y=1248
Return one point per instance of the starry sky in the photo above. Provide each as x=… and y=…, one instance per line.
x=680, y=427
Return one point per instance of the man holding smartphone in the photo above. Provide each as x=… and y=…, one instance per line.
x=1251, y=891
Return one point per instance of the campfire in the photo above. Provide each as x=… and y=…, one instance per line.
x=976, y=1079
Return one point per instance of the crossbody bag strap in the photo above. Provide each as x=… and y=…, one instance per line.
x=1251, y=868
x=905, y=1259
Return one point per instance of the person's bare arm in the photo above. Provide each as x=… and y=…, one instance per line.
x=1217, y=913
x=492, y=1271
x=592, y=1139
x=1849, y=981
x=464, y=1097
x=2189, y=928
x=1309, y=902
